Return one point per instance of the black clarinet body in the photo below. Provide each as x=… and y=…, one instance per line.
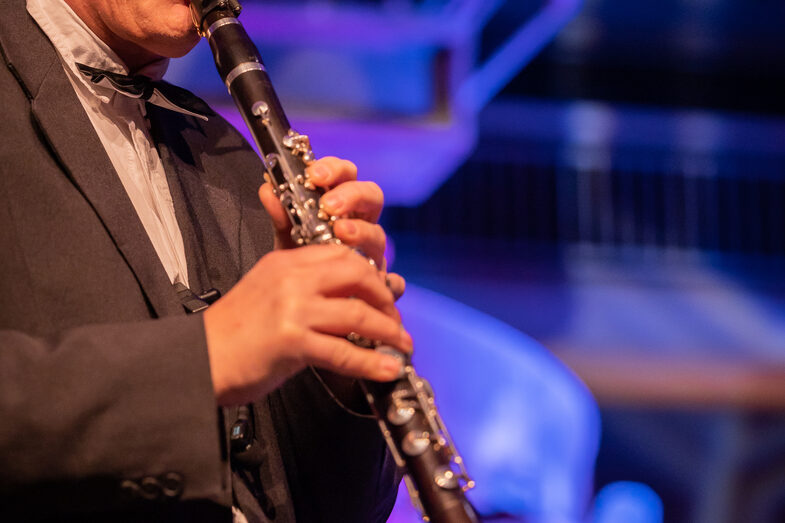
x=411, y=425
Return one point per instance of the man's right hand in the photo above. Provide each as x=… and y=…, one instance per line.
x=293, y=309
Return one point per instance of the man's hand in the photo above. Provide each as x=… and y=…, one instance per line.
x=358, y=204
x=296, y=306
x=294, y=309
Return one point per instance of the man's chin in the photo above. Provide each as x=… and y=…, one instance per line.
x=183, y=36
x=181, y=46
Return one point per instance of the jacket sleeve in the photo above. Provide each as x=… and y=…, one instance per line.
x=109, y=417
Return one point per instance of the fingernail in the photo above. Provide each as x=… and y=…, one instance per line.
x=407, y=340
x=392, y=365
x=332, y=203
x=319, y=173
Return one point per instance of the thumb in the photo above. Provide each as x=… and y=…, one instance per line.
x=278, y=215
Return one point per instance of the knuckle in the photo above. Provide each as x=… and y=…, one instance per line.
x=371, y=270
x=374, y=282
x=346, y=254
x=374, y=191
x=340, y=357
x=289, y=288
x=358, y=313
x=288, y=308
x=276, y=259
x=351, y=193
x=392, y=330
x=334, y=250
x=290, y=332
x=350, y=167
x=362, y=270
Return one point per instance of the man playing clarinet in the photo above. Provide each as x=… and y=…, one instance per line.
x=158, y=333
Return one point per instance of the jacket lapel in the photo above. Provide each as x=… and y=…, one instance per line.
x=70, y=134
x=72, y=137
x=208, y=215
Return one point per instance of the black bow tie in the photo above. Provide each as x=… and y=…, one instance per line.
x=161, y=94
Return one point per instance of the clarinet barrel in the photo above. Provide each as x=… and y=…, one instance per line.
x=410, y=423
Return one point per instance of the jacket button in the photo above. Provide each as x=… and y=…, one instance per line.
x=172, y=484
x=150, y=488
x=129, y=488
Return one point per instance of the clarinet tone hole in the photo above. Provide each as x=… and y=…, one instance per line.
x=260, y=109
x=415, y=443
x=445, y=478
x=399, y=415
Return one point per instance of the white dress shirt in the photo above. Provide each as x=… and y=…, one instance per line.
x=121, y=124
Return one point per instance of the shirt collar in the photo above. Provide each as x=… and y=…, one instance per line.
x=75, y=42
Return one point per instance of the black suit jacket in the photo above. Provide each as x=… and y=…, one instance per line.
x=106, y=404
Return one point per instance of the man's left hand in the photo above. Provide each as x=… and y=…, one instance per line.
x=358, y=204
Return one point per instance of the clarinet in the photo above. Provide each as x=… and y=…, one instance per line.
x=412, y=427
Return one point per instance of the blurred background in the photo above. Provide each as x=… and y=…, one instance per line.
x=606, y=178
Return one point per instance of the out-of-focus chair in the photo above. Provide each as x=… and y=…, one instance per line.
x=527, y=428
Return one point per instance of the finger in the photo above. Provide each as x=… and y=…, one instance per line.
x=341, y=316
x=342, y=280
x=302, y=258
x=330, y=171
x=338, y=355
x=278, y=215
x=363, y=200
x=273, y=206
x=332, y=271
x=396, y=284
x=367, y=237
x=313, y=262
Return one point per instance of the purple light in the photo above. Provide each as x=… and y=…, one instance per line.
x=390, y=89
x=527, y=428
x=407, y=161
